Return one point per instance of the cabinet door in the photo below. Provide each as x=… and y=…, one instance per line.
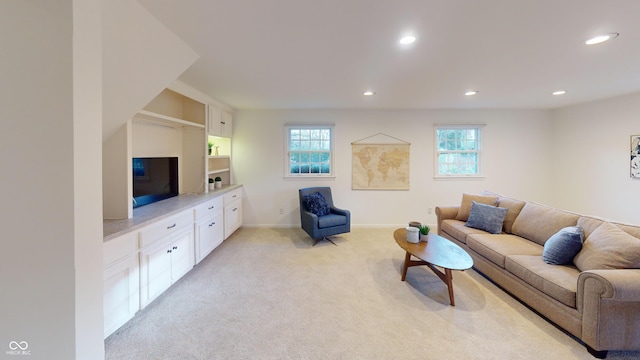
x=214, y=121
x=155, y=270
x=182, y=254
x=232, y=217
x=121, y=295
x=210, y=234
x=226, y=124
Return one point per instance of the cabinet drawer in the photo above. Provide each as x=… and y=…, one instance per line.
x=165, y=227
x=119, y=248
x=232, y=196
x=209, y=208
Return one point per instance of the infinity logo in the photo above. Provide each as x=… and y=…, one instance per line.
x=22, y=345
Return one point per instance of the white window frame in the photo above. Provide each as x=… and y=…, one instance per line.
x=479, y=136
x=287, y=153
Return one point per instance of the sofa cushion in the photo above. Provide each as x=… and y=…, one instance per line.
x=559, y=282
x=589, y=224
x=633, y=230
x=486, y=217
x=513, y=210
x=609, y=247
x=458, y=230
x=495, y=247
x=467, y=199
x=317, y=204
x=538, y=222
x=563, y=246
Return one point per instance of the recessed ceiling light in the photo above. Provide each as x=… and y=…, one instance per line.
x=559, y=92
x=368, y=93
x=406, y=40
x=601, y=38
x=470, y=93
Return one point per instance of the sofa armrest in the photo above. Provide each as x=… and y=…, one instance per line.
x=609, y=301
x=445, y=212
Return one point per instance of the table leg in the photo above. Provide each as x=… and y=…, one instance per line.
x=405, y=266
x=449, y=282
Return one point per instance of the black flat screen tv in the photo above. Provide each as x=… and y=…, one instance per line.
x=154, y=179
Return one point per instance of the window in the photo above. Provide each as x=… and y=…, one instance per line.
x=458, y=150
x=309, y=151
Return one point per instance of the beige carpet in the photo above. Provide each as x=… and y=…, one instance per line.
x=268, y=294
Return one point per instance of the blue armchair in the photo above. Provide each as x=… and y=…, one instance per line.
x=337, y=221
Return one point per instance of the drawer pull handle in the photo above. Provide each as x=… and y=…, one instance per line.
x=211, y=207
x=234, y=195
x=171, y=227
x=210, y=225
x=175, y=248
x=222, y=122
x=234, y=209
x=169, y=251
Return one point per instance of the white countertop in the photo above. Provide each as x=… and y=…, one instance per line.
x=147, y=214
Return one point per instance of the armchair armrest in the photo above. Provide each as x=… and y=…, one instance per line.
x=609, y=301
x=308, y=220
x=342, y=212
x=445, y=212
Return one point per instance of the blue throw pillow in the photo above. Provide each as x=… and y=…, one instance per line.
x=317, y=204
x=563, y=246
x=486, y=217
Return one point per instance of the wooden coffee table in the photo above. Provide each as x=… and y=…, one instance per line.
x=437, y=251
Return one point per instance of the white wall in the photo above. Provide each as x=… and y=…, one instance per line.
x=87, y=180
x=517, y=149
x=591, y=158
x=41, y=181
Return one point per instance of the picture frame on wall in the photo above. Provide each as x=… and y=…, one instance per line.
x=635, y=156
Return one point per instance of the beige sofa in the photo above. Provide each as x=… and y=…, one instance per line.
x=596, y=298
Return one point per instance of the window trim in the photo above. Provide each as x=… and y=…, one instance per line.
x=287, y=156
x=436, y=163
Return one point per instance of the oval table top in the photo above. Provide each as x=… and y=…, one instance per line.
x=436, y=250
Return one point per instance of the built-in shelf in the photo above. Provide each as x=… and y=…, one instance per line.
x=168, y=120
x=218, y=171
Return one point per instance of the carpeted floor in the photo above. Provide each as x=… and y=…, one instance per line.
x=268, y=294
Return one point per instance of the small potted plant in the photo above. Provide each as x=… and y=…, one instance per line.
x=424, y=232
x=218, y=182
x=211, y=144
x=211, y=184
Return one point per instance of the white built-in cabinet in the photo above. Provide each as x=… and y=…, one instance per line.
x=209, y=227
x=219, y=122
x=120, y=281
x=219, y=131
x=141, y=264
x=166, y=254
x=232, y=211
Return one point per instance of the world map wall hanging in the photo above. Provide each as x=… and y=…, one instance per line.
x=380, y=162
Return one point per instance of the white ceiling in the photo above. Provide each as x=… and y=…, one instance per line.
x=260, y=54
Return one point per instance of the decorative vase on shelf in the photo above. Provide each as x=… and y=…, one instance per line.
x=217, y=150
x=211, y=184
x=218, y=182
